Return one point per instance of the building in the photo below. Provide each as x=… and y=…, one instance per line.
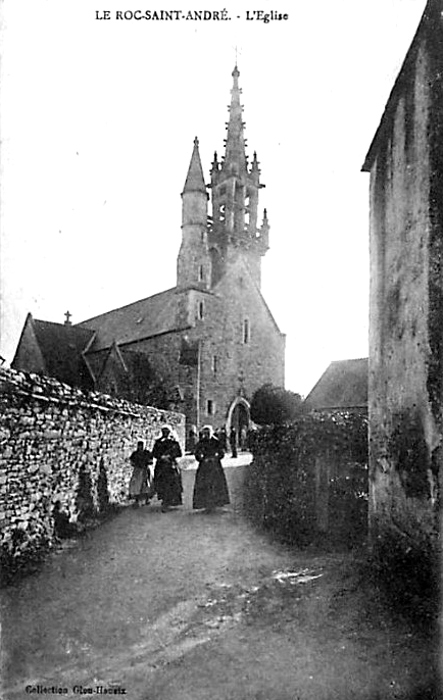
x=405, y=363
x=212, y=335
x=342, y=387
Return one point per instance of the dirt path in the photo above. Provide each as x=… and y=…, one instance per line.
x=188, y=606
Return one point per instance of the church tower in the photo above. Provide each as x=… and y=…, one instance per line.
x=234, y=197
x=193, y=262
x=210, y=244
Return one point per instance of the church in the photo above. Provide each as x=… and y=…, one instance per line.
x=212, y=335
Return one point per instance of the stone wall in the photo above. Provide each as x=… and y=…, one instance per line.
x=405, y=365
x=49, y=434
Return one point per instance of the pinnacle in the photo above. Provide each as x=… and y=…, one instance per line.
x=195, y=180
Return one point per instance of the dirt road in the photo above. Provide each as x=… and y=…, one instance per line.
x=191, y=606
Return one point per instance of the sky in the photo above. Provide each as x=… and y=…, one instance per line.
x=98, y=119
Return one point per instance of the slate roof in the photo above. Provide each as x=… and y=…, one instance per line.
x=61, y=346
x=134, y=322
x=343, y=385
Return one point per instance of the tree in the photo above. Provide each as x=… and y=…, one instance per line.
x=274, y=405
x=84, y=497
x=144, y=384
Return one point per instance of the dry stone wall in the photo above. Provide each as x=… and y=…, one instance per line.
x=50, y=434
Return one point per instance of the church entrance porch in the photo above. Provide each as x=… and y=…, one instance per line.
x=239, y=419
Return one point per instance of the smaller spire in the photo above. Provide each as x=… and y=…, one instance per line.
x=195, y=180
x=255, y=170
x=215, y=164
x=265, y=233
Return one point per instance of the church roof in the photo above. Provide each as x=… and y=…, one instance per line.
x=141, y=319
x=195, y=179
x=61, y=346
x=343, y=385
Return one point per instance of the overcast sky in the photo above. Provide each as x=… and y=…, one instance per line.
x=98, y=119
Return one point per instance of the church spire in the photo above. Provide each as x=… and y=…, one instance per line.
x=195, y=180
x=235, y=185
x=193, y=267
x=235, y=160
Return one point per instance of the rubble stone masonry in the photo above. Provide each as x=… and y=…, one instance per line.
x=49, y=432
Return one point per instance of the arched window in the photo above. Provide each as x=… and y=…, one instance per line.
x=200, y=310
x=246, y=331
x=201, y=273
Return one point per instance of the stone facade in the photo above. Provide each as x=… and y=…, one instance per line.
x=49, y=432
x=405, y=365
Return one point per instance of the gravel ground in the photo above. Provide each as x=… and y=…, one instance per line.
x=191, y=606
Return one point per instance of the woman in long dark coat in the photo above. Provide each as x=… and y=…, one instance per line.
x=167, y=481
x=210, y=487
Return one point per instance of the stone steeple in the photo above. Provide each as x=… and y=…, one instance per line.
x=193, y=262
x=234, y=197
x=195, y=179
x=235, y=161
x=210, y=244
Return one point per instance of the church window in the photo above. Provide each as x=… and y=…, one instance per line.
x=246, y=331
x=214, y=364
x=211, y=407
x=201, y=273
x=200, y=310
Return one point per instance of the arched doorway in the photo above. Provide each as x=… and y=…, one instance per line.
x=239, y=419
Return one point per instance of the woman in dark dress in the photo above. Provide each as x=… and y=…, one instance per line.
x=167, y=481
x=210, y=488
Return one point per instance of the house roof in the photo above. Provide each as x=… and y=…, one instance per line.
x=134, y=322
x=61, y=346
x=343, y=385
